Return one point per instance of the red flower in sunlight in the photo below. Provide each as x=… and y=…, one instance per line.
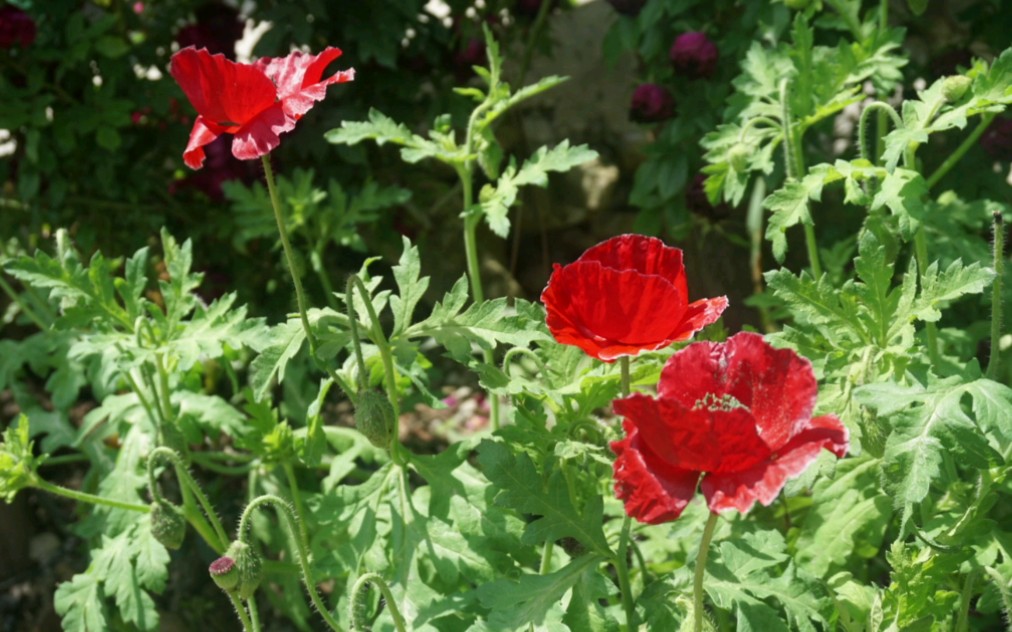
x=624, y=296
x=738, y=414
x=253, y=102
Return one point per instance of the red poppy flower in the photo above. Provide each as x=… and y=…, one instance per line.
x=253, y=102
x=738, y=414
x=624, y=296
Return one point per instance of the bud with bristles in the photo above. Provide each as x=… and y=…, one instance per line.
x=168, y=525
x=224, y=573
x=955, y=87
x=374, y=417
x=239, y=570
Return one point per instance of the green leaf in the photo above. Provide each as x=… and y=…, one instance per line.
x=80, y=603
x=903, y=192
x=789, y=206
x=940, y=288
x=411, y=287
x=517, y=603
x=484, y=325
x=523, y=488
x=17, y=462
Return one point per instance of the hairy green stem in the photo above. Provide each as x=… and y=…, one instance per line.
x=884, y=109
x=286, y=245
x=962, y=619
x=240, y=610
x=622, y=557
x=356, y=594
x=515, y=351
x=356, y=340
x=386, y=355
x=795, y=163
x=930, y=330
x=85, y=497
x=697, y=582
x=960, y=151
x=300, y=511
x=994, y=360
x=285, y=510
x=254, y=612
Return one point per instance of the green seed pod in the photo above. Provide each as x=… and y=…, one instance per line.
x=737, y=157
x=224, y=573
x=374, y=417
x=955, y=87
x=168, y=525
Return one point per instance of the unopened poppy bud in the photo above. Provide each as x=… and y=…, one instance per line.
x=651, y=103
x=737, y=157
x=693, y=55
x=168, y=525
x=374, y=417
x=224, y=573
x=955, y=87
x=246, y=567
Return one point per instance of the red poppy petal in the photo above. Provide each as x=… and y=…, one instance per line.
x=647, y=255
x=698, y=315
x=261, y=135
x=740, y=490
x=653, y=491
x=203, y=133
x=222, y=91
x=600, y=309
x=298, y=78
x=695, y=439
x=777, y=385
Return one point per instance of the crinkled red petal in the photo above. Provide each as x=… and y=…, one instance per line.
x=222, y=91
x=697, y=315
x=299, y=78
x=647, y=255
x=763, y=482
x=653, y=491
x=777, y=385
x=609, y=312
x=695, y=439
x=202, y=134
x=261, y=135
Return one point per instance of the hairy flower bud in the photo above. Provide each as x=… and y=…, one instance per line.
x=737, y=157
x=955, y=87
x=693, y=55
x=239, y=570
x=168, y=525
x=628, y=7
x=651, y=103
x=374, y=417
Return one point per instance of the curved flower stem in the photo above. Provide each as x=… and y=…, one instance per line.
x=794, y=162
x=85, y=497
x=254, y=613
x=962, y=619
x=356, y=340
x=240, y=610
x=697, y=583
x=219, y=539
x=300, y=296
x=357, y=593
x=862, y=128
x=965, y=146
x=389, y=375
x=993, y=361
x=622, y=557
x=515, y=351
x=288, y=517
x=293, y=489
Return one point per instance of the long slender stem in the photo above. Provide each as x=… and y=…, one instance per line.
x=884, y=109
x=546, y=558
x=962, y=619
x=293, y=489
x=377, y=580
x=240, y=610
x=188, y=486
x=254, y=613
x=85, y=497
x=27, y=311
x=623, y=363
x=288, y=517
x=960, y=151
x=795, y=163
x=930, y=331
x=994, y=360
x=286, y=245
x=697, y=583
x=622, y=557
x=356, y=341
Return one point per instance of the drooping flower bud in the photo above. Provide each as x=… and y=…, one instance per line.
x=955, y=87
x=651, y=103
x=239, y=570
x=693, y=55
x=374, y=417
x=168, y=525
x=628, y=7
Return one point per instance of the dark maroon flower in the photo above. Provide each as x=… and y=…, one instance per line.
x=693, y=55
x=217, y=29
x=737, y=415
x=698, y=203
x=625, y=296
x=628, y=7
x=997, y=139
x=17, y=28
x=651, y=103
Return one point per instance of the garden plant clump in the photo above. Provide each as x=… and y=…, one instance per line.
x=272, y=358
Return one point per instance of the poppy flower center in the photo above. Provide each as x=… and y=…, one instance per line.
x=714, y=402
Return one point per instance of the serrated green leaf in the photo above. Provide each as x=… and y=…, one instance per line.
x=411, y=287
x=484, y=325
x=285, y=341
x=903, y=192
x=939, y=288
x=17, y=462
x=789, y=206
x=80, y=603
